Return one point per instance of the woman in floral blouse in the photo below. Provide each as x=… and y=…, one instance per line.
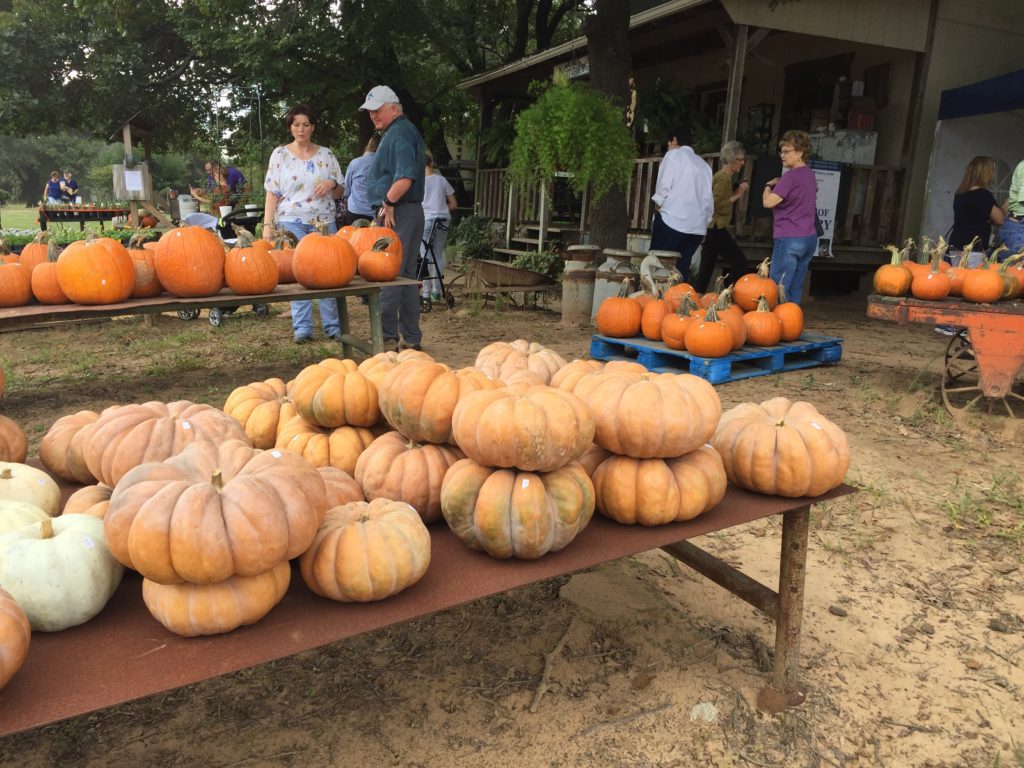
x=302, y=181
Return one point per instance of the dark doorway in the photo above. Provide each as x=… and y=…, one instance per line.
x=809, y=87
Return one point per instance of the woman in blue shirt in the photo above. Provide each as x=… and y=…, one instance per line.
x=52, y=192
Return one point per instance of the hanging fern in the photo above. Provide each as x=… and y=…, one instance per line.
x=573, y=128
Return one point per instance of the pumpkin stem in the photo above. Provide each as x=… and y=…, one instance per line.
x=46, y=529
x=217, y=479
x=686, y=305
x=360, y=223
x=624, y=288
x=382, y=244
x=763, y=269
x=712, y=314
x=782, y=291
x=6, y=474
x=245, y=237
x=762, y=303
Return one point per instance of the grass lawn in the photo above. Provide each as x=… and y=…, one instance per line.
x=17, y=216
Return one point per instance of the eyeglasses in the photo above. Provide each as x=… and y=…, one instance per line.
x=785, y=151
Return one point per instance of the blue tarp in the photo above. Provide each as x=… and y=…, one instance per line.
x=997, y=94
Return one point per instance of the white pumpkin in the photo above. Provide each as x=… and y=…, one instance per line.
x=18, y=514
x=21, y=482
x=59, y=571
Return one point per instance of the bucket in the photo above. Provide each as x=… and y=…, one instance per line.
x=577, y=295
x=225, y=210
x=186, y=205
x=579, y=256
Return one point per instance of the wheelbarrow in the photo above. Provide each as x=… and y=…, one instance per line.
x=983, y=361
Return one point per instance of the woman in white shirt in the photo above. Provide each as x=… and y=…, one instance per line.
x=438, y=204
x=302, y=181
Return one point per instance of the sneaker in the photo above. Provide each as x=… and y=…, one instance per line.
x=392, y=345
x=335, y=336
x=301, y=338
x=947, y=330
x=403, y=345
x=435, y=296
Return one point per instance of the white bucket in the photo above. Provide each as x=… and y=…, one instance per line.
x=225, y=210
x=187, y=206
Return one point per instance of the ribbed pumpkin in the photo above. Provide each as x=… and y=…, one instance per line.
x=258, y=407
x=395, y=467
x=536, y=429
x=418, y=398
x=790, y=315
x=249, y=270
x=13, y=443
x=363, y=235
x=333, y=393
x=323, y=261
x=45, y=285
x=674, y=324
x=147, y=284
x=893, y=279
x=570, y=374
x=93, y=500
x=125, y=436
x=619, y=316
x=675, y=294
x=651, y=318
x=20, y=482
x=15, y=636
x=659, y=491
x=194, y=610
x=214, y=511
x=650, y=415
x=41, y=250
x=749, y=288
x=382, y=262
x=62, y=449
x=377, y=367
x=980, y=285
x=367, y=551
x=341, y=486
x=19, y=514
x=96, y=271
x=190, y=262
x=507, y=513
x=500, y=358
x=931, y=284
x=781, y=448
x=764, y=329
x=15, y=285
x=709, y=337
x=324, y=446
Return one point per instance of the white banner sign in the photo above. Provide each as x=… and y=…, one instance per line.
x=826, y=173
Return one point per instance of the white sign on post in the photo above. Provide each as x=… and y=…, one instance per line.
x=826, y=173
x=133, y=181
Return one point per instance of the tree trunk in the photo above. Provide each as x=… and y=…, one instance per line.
x=610, y=63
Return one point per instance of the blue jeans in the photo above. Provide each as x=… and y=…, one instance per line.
x=302, y=311
x=1011, y=232
x=664, y=238
x=790, y=258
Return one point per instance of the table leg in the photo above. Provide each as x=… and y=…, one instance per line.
x=792, y=573
x=346, y=348
x=376, y=330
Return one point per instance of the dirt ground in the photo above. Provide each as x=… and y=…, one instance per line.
x=913, y=632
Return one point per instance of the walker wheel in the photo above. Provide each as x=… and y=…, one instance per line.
x=261, y=310
x=425, y=304
x=215, y=316
x=449, y=299
x=188, y=314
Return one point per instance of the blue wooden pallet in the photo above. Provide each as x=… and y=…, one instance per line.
x=808, y=351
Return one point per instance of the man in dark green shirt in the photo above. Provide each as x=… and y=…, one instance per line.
x=394, y=187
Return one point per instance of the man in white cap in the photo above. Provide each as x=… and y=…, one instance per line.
x=394, y=187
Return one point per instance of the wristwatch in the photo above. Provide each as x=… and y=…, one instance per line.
x=388, y=203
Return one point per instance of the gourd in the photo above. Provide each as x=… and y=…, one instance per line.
x=15, y=636
x=338, y=447
x=333, y=393
x=501, y=358
x=20, y=482
x=367, y=551
x=59, y=571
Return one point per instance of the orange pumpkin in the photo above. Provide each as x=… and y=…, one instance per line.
x=619, y=316
x=791, y=316
x=675, y=294
x=13, y=442
x=651, y=318
x=980, y=285
x=341, y=487
x=62, y=449
x=333, y=393
x=363, y=235
x=382, y=262
x=96, y=271
x=709, y=337
x=190, y=262
x=764, y=329
x=15, y=636
x=748, y=289
x=339, y=447
x=893, y=279
x=932, y=284
x=674, y=324
x=323, y=261
x=46, y=286
x=259, y=408
x=91, y=500
x=500, y=359
x=250, y=270
x=40, y=250
x=143, y=261
x=732, y=316
x=15, y=285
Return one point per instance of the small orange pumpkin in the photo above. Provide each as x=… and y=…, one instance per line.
x=893, y=279
x=764, y=329
x=619, y=316
x=709, y=337
x=45, y=286
x=250, y=270
x=748, y=289
x=382, y=262
x=323, y=261
x=790, y=315
x=15, y=285
x=40, y=250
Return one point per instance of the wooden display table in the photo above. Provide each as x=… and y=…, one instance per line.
x=125, y=654
x=34, y=315
x=81, y=214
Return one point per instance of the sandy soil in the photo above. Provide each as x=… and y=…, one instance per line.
x=913, y=630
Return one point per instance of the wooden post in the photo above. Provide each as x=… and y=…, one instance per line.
x=792, y=574
x=735, y=87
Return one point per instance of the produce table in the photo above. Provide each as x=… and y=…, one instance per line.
x=33, y=315
x=80, y=214
x=124, y=654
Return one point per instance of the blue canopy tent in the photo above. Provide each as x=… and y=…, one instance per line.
x=983, y=118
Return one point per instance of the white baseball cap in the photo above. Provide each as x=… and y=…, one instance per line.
x=378, y=96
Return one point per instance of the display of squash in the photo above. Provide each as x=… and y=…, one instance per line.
x=193, y=610
x=60, y=571
x=377, y=367
x=20, y=482
x=261, y=408
x=338, y=447
x=15, y=637
x=367, y=551
x=397, y=468
x=333, y=393
x=62, y=449
x=502, y=358
x=536, y=429
x=18, y=514
x=13, y=442
x=782, y=448
x=214, y=511
x=659, y=491
x=90, y=500
x=507, y=513
x=341, y=486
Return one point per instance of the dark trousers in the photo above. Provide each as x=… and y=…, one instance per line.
x=400, y=307
x=720, y=243
x=664, y=238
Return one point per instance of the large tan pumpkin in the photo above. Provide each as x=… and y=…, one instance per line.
x=650, y=415
x=659, y=491
x=503, y=358
x=20, y=482
x=214, y=511
x=568, y=376
x=192, y=610
x=15, y=636
x=127, y=436
x=377, y=367
x=397, y=468
x=18, y=514
x=258, y=407
x=333, y=393
x=91, y=500
x=507, y=513
x=536, y=429
x=367, y=551
x=323, y=446
x=782, y=448
x=418, y=398
x=62, y=447
x=13, y=442
x=341, y=486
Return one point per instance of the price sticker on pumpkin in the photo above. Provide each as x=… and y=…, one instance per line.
x=87, y=540
x=186, y=425
x=816, y=425
x=103, y=281
x=276, y=454
x=526, y=482
x=244, y=258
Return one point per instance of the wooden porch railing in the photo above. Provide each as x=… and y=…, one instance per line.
x=869, y=212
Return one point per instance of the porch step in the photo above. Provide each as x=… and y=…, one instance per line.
x=530, y=240
x=512, y=252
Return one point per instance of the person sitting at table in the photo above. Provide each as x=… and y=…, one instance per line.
x=69, y=189
x=52, y=191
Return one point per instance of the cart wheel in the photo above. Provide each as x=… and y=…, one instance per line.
x=425, y=304
x=261, y=310
x=188, y=314
x=216, y=316
x=449, y=300
x=961, y=384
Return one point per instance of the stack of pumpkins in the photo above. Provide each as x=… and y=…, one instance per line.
x=754, y=311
